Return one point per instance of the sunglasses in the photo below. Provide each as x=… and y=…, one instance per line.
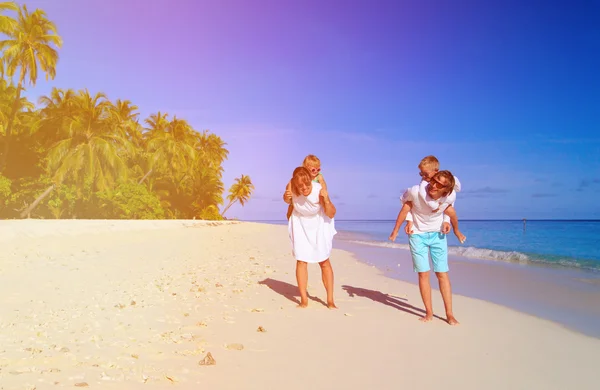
x=315, y=170
x=437, y=184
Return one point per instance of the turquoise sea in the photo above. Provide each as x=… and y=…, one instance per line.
x=546, y=268
x=571, y=244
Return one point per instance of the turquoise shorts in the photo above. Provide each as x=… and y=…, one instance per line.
x=425, y=244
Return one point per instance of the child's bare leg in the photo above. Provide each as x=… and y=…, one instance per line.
x=401, y=217
x=451, y=212
x=290, y=210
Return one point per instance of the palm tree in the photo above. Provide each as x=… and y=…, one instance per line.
x=212, y=149
x=58, y=109
x=7, y=101
x=7, y=23
x=170, y=144
x=92, y=153
x=30, y=45
x=239, y=191
x=207, y=189
x=25, y=123
x=125, y=114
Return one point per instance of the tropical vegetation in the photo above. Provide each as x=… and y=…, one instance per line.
x=78, y=154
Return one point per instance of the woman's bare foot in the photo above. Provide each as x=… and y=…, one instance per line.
x=302, y=305
x=331, y=305
x=451, y=320
x=426, y=318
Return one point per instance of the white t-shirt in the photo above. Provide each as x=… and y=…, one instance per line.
x=423, y=219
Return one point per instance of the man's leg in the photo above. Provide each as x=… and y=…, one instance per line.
x=420, y=257
x=446, y=290
x=439, y=257
x=327, y=275
x=302, y=279
x=425, y=288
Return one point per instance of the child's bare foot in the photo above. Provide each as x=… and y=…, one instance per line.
x=461, y=237
x=426, y=318
x=451, y=320
x=302, y=305
x=331, y=305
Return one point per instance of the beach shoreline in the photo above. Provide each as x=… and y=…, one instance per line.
x=115, y=304
x=568, y=297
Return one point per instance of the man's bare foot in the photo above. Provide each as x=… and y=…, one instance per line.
x=302, y=305
x=451, y=320
x=426, y=318
x=331, y=306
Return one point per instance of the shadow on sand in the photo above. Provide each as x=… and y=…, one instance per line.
x=387, y=299
x=288, y=290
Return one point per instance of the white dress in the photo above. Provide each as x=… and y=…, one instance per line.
x=311, y=231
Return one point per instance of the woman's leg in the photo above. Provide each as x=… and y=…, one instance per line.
x=302, y=279
x=327, y=275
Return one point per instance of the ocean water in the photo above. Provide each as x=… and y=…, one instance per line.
x=572, y=244
x=552, y=267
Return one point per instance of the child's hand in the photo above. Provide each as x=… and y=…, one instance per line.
x=461, y=237
x=287, y=196
x=408, y=228
x=393, y=236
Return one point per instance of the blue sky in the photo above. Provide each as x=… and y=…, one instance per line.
x=505, y=93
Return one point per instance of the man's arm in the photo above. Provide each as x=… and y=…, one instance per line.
x=446, y=224
x=446, y=217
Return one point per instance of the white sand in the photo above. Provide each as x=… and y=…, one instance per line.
x=137, y=304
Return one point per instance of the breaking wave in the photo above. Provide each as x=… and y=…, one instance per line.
x=497, y=255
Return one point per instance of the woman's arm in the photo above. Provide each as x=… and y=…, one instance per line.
x=287, y=194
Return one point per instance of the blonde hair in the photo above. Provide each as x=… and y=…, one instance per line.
x=429, y=162
x=311, y=161
x=300, y=175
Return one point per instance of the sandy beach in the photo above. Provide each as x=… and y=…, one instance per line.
x=140, y=304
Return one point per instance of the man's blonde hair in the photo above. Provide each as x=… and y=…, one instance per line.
x=429, y=162
x=450, y=182
x=311, y=161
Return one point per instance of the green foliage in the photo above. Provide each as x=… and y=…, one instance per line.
x=129, y=201
x=5, y=184
x=210, y=213
x=24, y=191
x=81, y=155
x=61, y=204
